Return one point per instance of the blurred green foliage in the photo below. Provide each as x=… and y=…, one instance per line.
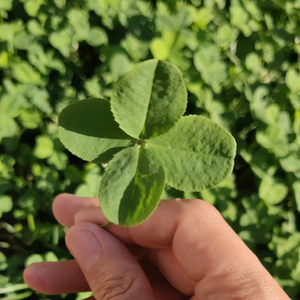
x=240, y=61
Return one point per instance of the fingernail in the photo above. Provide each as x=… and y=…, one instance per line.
x=85, y=247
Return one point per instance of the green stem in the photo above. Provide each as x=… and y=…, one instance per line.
x=104, y=226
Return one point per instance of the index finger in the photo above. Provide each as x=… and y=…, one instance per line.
x=66, y=206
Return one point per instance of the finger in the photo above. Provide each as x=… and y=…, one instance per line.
x=96, y=216
x=168, y=265
x=164, y=259
x=111, y=271
x=162, y=292
x=65, y=207
x=207, y=250
x=53, y=278
x=67, y=277
x=162, y=289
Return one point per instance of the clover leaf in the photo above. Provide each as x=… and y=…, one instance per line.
x=146, y=141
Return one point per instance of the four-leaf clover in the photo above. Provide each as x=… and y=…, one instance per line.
x=146, y=141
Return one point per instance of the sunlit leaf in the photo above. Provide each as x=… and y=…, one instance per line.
x=34, y=258
x=6, y=204
x=43, y=147
x=88, y=129
x=25, y=73
x=207, y=61
x=196, y=154
x=131, y=186
x=78, y=19
x=154, y=93
x=62, y=41
x=272, y=192
x=97, y=36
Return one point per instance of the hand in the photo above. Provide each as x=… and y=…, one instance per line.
x=194, y=254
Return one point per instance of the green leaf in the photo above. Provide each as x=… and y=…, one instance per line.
x=274, y=139
x=196, y=154
x=249, y=218
x=239, y=17
x=11, y=104
x=33, y=258
x=253, y=62
x=79, y=20
x=74, y=174
x=93, y=87
x=229, y=210
x=202, y=18
x=8, y=126
x=90, y=187
x=43, y=147
x=60, y=3
x=87, y=129
x=212, y=69
x=170, y=42
x=178, y=21
x=25, y=73
x=160, y=49
x=259, y=103
x=23, y=40
x=6, y=204
x=4, y=59
x=148, y=102
x=154, y=93
x=30, y=118
x=137, y=49
x=290, y=163
x=226, y=35
x=131, y=186
x=6, y=5
x=32, y=7
x=97, y=37
x=296, y=189
x=35, y=28
x=58, y=159
x=119, y=64
x=6, y=166
x=61, y=40
x=50, y=256
x=40, y=98
x=3, y=262
x=272, y=192
x=292, y=80
x=83, y=295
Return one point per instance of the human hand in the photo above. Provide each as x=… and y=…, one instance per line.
x=187, y=241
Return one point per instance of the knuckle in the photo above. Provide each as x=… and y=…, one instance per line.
x=125, y=287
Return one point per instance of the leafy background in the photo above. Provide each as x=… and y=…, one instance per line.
x=240, y=61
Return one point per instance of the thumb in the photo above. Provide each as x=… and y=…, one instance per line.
x=110, y=269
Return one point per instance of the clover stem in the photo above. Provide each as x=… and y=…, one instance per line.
x=141, y=143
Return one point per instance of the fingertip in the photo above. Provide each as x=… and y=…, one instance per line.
x=27, y=275
x=33, y=276
x=65, y=206
x=59, y=205
x=79, y=227
x=90, y=215
x=108, y=266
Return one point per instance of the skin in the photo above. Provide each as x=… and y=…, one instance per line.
x=185, y=250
